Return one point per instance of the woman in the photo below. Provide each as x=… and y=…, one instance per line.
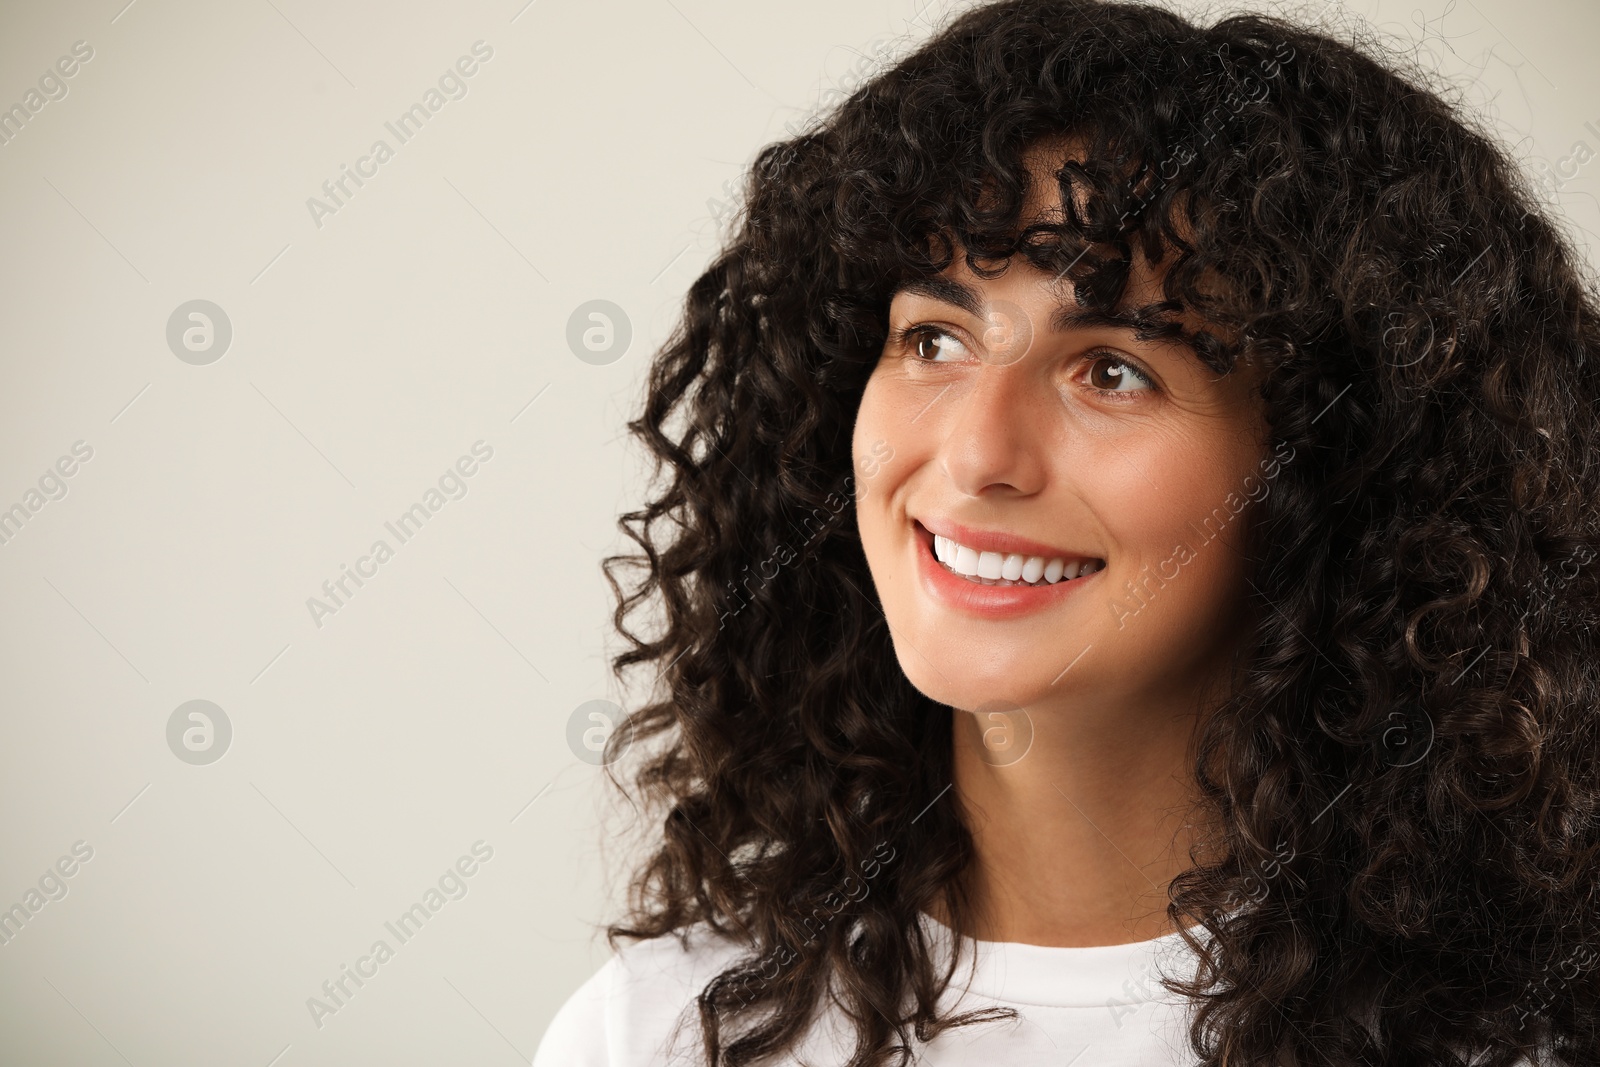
x=1206, y=674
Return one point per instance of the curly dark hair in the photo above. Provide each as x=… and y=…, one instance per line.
x=1406, y=773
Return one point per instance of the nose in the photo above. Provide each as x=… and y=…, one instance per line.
x=993, y=441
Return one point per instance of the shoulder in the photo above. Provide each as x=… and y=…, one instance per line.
x=640, y=1005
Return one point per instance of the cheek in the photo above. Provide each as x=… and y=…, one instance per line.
x=1167, y=488
x=868, y=426
x=1176, y=541
x=872, y=425
x=881, y=439
x=889, y=453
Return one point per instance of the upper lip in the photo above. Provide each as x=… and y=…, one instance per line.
x=998, y=541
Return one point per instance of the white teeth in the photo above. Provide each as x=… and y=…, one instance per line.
x=1009, y=567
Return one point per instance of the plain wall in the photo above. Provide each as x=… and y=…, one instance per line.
x=430, y=708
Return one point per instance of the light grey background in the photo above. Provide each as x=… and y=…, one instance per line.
x=590, y=159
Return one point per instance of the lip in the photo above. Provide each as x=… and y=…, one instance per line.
x=995, y=541
x=989, y=601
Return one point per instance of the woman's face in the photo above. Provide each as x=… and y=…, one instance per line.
x=1018, y=436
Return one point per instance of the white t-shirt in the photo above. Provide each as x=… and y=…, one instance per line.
x=1103, y=1005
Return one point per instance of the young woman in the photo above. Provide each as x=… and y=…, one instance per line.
x=1127, y=579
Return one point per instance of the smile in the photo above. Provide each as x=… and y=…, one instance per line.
x=1009, y=568
x=997, y=585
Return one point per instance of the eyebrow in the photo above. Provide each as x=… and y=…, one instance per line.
x=1065, y=317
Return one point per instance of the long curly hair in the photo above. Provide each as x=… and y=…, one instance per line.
x=1406, y=774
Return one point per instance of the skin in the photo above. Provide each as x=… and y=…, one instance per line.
x=1079, y=829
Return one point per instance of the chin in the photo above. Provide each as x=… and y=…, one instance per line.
x=952, y=681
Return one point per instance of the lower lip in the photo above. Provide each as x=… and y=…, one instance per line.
x=987, y=601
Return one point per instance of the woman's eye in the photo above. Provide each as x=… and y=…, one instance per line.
x=1109, y=372
x=928, y=344
x=1119, y=378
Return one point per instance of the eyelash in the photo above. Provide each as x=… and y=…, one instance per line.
x=903, y=336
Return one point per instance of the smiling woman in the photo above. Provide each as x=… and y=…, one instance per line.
x=1084, y=444
x=1211, y=662
x=1030, y=436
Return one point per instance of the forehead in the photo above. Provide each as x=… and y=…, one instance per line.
x=1053, y=295
x=1036, y=297
x=1042, y=158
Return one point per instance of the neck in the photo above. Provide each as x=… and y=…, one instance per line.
x=1077, y=840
